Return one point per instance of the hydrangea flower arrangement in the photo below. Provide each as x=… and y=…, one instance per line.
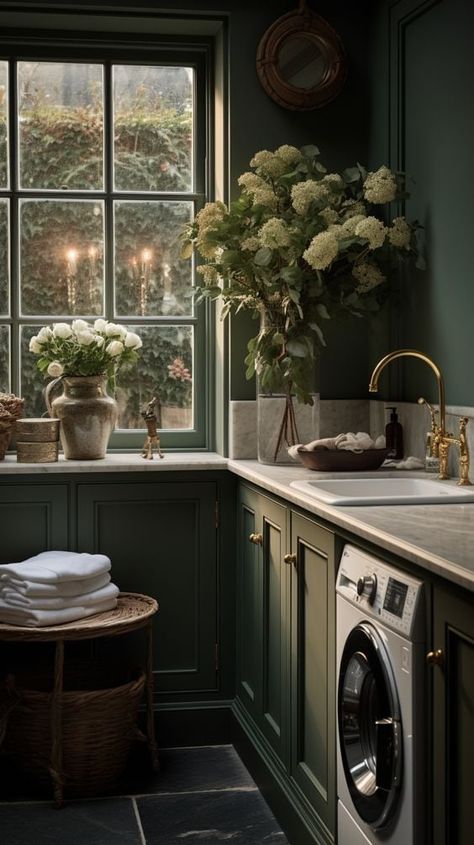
x=298, y=247
x=82, y=349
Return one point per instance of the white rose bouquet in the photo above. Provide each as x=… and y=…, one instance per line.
x=82, y=349
x=298, y=247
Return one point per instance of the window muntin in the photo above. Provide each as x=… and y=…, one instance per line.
x=78, y=244
x=4, y=182
x=4, y=257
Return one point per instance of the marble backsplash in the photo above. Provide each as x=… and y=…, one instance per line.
x=341, y=415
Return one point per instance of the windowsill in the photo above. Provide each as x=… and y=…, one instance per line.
x=119, y=462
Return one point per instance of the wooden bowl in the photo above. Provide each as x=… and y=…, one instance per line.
x=340, y=460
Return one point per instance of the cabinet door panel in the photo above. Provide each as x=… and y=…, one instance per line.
x=249, y=614
x=161, y=539
x=312, y=654
x=33, y=519
x=453, y=719
x=275, y=614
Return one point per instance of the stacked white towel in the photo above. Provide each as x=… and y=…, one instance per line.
x=55, y=587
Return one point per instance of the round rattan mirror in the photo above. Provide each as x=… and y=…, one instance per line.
x=301, y=61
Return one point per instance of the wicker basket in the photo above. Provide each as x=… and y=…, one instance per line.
x=11, y=409
x=98, y=728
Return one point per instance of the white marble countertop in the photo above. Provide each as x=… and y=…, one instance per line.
x=118, y=462
x=439, y=538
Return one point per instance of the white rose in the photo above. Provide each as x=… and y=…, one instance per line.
x=100, y=325
x=132, y=341
x=115, y=348
x=62, y=330
x=112, y=329
x=44, y=334
x=55, y=369
x=99, y=341
x=85, y=338
x=35, y=346
x=80, y=326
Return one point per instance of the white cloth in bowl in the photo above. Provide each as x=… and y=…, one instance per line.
x=349, y=442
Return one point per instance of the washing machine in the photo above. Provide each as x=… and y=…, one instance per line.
x=381, y=764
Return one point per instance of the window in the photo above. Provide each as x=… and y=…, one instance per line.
x=101, y=165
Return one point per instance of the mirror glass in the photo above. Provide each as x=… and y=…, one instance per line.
x=301, y=62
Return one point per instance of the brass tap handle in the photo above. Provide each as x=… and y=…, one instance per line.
x=435, y=658
x=433, y=413
x=257, y=539
x=290, y=559
x=463, y=454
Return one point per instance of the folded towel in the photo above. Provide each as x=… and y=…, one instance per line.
x=28, y=618
x=12, y=598
x=351, y=442
x=408, y=463
x=54, y=567
x=61, y=588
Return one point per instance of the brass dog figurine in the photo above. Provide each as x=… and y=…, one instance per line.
x=151, y=421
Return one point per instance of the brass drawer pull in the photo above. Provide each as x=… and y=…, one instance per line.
x=435, y=658
x=257, y=539
x=290, y=559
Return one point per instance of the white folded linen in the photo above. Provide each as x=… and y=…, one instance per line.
x=29, y=618
x=349, y=442
x=12, y=598
x=60, y=588
x=56, y=566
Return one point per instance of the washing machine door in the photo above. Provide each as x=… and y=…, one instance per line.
x=370, y=731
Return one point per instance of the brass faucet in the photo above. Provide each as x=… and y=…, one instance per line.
x=441, y=439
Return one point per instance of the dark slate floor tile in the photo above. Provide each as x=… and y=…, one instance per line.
x=187, y=769
x=241, y=817
x=102, y=822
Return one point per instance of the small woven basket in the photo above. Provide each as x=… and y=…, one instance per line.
x=98, y=729
x=11, y=409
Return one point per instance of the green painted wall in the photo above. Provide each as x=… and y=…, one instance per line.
x=423, y=118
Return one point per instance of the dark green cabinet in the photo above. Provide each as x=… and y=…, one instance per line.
x=453, y=716
x=33, y=519
x=285, y=653
x=313, y=634
x=262, y=611
x=162, y=539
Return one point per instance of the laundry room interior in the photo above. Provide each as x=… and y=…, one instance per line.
x=236, y=499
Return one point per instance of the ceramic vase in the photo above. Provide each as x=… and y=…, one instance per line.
x=87, y=416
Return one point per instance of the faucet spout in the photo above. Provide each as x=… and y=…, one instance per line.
x=413, y=353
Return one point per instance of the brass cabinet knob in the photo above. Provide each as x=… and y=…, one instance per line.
x=435, y=658
x=257, y=539
x=289, y=559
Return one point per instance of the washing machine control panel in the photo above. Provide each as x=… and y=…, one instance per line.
x=385, y=593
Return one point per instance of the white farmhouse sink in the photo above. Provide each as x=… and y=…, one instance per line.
x=385, y=491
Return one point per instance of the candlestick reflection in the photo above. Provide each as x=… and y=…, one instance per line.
x=71, y=278
x=141, y=271
x=92, y=254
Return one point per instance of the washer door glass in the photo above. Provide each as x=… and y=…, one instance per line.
x=370, y=733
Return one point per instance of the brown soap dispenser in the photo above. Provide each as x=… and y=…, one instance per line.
x=394, y=435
